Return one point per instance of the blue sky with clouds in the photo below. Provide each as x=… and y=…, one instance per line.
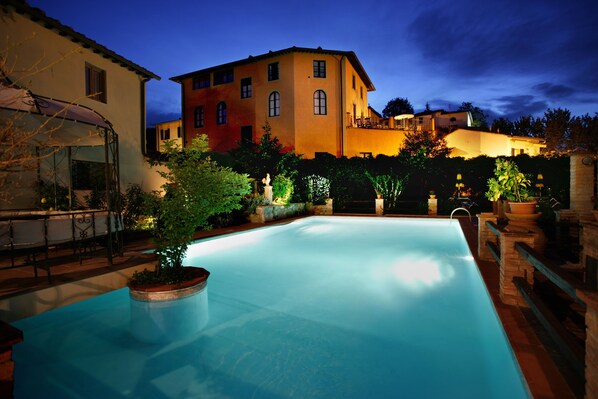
x=508, y=57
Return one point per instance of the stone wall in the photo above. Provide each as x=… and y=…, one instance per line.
x=485, y=234
x=591, y=300
x=581, y=185
x=512, y=264
x=269, y=213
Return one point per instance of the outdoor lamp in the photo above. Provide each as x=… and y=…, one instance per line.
x=540, y=182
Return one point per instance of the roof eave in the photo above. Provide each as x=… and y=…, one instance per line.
x=39, y=17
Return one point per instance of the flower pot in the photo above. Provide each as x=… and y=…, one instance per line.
x=523, y=207
x=162, y=313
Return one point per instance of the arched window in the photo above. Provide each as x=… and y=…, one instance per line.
x=221, y=113
x=198, y=117
x=319, y=102
x=274, y=104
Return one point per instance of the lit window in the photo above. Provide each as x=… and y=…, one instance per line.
x=319, y=69
x=246, y=91
x=198, y=117
x=273, y=71
x=225, y=76
x=95, y=83
x=221, y=113
x=201, y=82
x=274, y=104
x=319, y=103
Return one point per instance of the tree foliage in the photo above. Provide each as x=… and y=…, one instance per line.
x=195, y=189
x=397, y=106
x=267, y=156
x=424, y=144
x=478, y=115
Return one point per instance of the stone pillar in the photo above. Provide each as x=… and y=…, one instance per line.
x=581, y=185
x=485, y=234
x=432, y=206
x=9, y=336
x=268, y=193
x=512, y=264
x=379, y=206
x=259, y=216
x=326, y=209
x=527, y=223
x=591, y=300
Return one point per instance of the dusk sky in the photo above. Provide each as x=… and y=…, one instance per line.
x=508, y=57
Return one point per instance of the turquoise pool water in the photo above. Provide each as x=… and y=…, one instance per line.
x=323, y=307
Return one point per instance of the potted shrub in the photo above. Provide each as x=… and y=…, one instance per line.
x=514, y=186
x=195, y=188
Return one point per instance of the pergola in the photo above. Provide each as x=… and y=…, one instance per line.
x=52, y=125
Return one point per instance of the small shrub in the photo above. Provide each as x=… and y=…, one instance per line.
x=53, y=198
x=318, y=189
x=133, y=207
x=282, y=190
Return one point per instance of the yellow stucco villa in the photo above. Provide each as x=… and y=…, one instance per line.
x=90, y=90
x=308, y=96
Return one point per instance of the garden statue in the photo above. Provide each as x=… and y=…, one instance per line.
x=266, y=180
x=267, y=188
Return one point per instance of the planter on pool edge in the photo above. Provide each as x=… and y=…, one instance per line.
x=521, y=208
x=170, y=312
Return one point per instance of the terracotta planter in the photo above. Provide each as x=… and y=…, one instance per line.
x=520, y=208
x=166, y=292
x=162, y=313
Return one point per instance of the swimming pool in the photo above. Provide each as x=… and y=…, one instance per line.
x=323, y=307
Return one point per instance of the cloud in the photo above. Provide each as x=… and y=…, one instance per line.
x=514, y=106
x=524, y=38
x=554, y=91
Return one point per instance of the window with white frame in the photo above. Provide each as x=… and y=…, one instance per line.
x=319, y=69
x=319, y=102
x=274, y=104
x=273, y=71
x=246, y=89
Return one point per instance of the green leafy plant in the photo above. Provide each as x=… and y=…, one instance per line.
x=318, y=189
x=53, y=197
x=282, y=190
x=133, y=206
x=251, y=202
x=389, y=186
x=508, y=182
x=195, y=189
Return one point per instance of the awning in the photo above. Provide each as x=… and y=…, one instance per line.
x=59, y=123
x=403, y=116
